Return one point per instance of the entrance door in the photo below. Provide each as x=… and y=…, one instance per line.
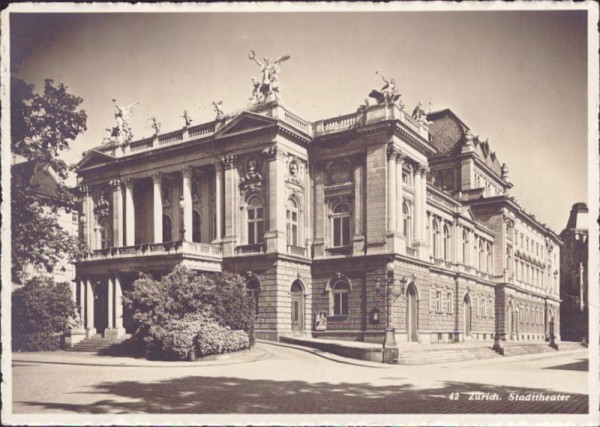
x=467, y=313
x=100, y=306
x=297, y=307
x=412, y=313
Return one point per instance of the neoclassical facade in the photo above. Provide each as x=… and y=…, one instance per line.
x=341, y=227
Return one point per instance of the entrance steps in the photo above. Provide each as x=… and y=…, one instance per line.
x=425, y=354
x=520, y=348
x=96, y=343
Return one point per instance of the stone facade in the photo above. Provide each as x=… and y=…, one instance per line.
x=342, y=227
x=574, y=275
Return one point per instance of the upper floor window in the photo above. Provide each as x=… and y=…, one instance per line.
x=291, y=216
x=447, y=244
x=340, y=297
x=407, y=177
x=340, y=225
x=255, y=215
x=435, y=238
x=488, y=256
x=508, y=259
x=406, y=221
x=105, y=234
x=481, y=257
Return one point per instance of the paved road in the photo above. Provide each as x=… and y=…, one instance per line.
x=287, y=380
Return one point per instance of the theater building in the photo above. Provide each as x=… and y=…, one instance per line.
x=341, y=227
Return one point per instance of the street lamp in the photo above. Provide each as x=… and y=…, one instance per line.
x=390, y=348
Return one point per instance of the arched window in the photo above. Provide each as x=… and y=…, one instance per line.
x=105, y=234
x=255, y=217
x=435, y=238
x=196, y=226
x=167, y=226
x=406, y=222
x=340, y=297
x=447, y=244
x=488, y=255
x=252, y=289
x=291, y=216
x=465, y=250
x=340, y=225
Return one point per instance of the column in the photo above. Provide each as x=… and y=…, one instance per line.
x=231, y=195
x=399, y=195
x=81, y=283
x=117, y=213
x=219, y=201
x=275, y=238
x=86, y=212
x=118, y=314
x=308, y=212
x=110, y=302
x=186, y=172
x=89, y=309
x=129, y=213
x=423, y=172
x=157, y=210
x=358, y=201
x=391, y=190
x=418, y=215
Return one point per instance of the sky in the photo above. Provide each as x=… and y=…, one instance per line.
x=518, y=78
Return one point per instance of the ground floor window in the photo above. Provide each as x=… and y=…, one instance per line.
x=341, y=290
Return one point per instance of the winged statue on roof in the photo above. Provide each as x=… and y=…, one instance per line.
x=388, y=94
x=268, y=84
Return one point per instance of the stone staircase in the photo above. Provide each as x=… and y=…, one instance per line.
x=96, y=343
x=457, y=353
x=520, y=348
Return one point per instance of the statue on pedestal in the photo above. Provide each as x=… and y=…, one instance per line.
x=388, y=93
x=155, y=125
x=419, y=114
x=121, y=133
x=218, y=110
x=269, y=83
x=187, y=118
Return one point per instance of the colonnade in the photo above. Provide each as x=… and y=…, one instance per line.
x=86, y=294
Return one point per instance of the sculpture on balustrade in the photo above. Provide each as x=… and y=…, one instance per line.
x=121, y=133
x=419, y=114
x=268, y=85
x=187, y=118
x=388, y=93
x=155, y=125
x=218, y=110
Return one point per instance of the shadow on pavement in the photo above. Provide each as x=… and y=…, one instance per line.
x=582, y=365
x=201, y=394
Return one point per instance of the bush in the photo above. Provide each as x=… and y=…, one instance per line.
x=172, y=310
x=40, y=314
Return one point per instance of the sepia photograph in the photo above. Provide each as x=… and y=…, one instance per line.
x=300, y=214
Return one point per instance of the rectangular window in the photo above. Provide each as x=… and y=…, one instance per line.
x=450, y=302
x=438, y=301
x=340, y=303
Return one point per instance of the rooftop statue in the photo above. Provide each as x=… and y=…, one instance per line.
x=388, y=93
x=269, y=81
x=155, y=125
x=187, y=118
x=218, y=110
x=419, y=114
x=122, y=132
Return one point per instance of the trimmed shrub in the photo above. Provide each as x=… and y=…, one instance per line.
x=40, y=314
x=164, y=311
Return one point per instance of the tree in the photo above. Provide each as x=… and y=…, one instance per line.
x=40, y=313
x=42, y=126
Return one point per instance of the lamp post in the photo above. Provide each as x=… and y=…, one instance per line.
x=390, y=348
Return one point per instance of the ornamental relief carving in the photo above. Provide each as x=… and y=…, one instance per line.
x=102, y=202
x=250, y=171
x=295, y=170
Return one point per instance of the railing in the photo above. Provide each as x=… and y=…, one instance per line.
x=170, y=137
x=141, y=145
x=339, y=251
x=202, y=130
x=153, y=249
x=342, y=122
x=295, y=120
x=296, y=250
x=258, y=248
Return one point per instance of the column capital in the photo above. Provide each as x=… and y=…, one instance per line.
x=156, y=177
x=115, y=184
x=187, y=171
x=273, y=153
x=85, y=190
x=400, y=157
x=129, y=182
x=422, y=169
x=392, y=152
x=229, y=161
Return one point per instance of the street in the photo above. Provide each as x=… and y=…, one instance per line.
x=278, y=379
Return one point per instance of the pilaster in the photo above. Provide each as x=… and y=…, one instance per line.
x=118, y=213
x=157, y=208
x=129, y=213
x=275, y=237
x=231, y=202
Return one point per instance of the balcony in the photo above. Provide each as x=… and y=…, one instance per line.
x=156, y=249
x=299, y=251
x=339, y=251
x=257, y=248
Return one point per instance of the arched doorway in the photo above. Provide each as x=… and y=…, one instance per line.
x=100, y=290
x=467, y=315
x=412, y=313
x=297, y=292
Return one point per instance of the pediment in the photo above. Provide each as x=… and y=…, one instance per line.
x=245, y=122
x=94, y=158
x=467, y=214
